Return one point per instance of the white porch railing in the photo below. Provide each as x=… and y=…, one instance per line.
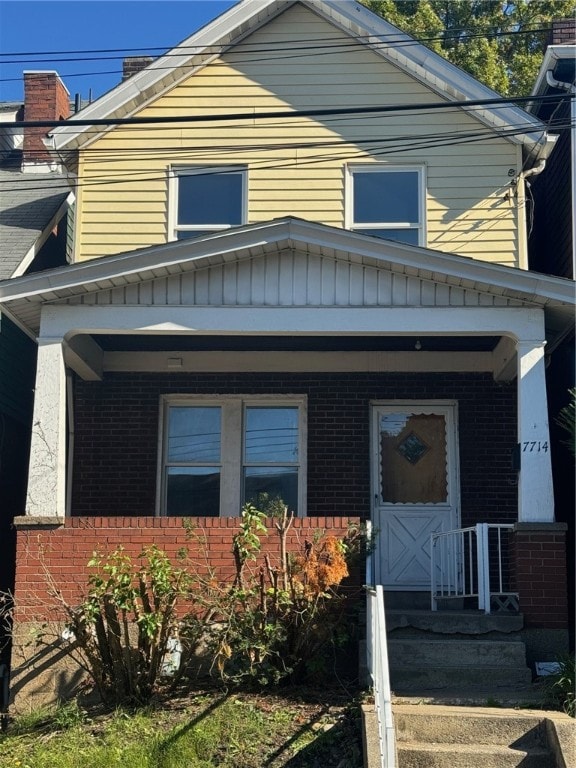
x=378, y=668
x=471, y=563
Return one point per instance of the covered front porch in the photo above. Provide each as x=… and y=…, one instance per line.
x=357, y=378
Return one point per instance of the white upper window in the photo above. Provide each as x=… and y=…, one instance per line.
x=206, y=200
x=387, y=201
x=219, y=453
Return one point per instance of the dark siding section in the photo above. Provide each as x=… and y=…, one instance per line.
x=17, y=371
x=550, y=243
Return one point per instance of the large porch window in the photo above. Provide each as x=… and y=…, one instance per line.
x=220, y=453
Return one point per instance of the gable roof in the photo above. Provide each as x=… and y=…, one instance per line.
x=30, y=206
x=23, y=297
x=198, y=50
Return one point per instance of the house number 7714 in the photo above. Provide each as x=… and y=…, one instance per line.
x=535, y=446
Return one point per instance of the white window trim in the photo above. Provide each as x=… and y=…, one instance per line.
x=175, y=171
x=349, y=222
x=232, y=458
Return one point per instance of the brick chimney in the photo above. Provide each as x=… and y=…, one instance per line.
x=134, y=64
x=563, y=32
x=45, y=98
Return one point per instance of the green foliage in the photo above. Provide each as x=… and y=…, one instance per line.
x=499, y=42
x=279, y=619
x=284, y=621
x=123, y=626
x=561, y=687
x=246, y=543
x=567, y=420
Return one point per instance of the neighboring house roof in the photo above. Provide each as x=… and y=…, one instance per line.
x=23, y=297
x=30, y=206
x=560, y=61
x=195, y=52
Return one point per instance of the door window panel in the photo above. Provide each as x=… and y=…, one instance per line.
x=414, y=461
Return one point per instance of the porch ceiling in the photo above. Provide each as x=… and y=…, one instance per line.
x=125, y=343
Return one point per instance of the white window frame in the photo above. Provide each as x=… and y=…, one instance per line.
x=420, y=169
x=174, y=174
x=232, y=457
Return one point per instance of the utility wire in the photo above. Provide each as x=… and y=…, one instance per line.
x=140, y=176
x=460, y=35
x=278, y=54
x=284, y=114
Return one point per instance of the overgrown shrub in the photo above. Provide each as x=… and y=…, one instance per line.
x=283, y=620
x=124, y=627
x=143, y=619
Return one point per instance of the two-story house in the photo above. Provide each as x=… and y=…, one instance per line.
x=300, y=267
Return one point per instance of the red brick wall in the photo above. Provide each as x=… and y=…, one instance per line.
x=116, y=436
x=45, y=98
x=58, y=556
x=563, y=32
x=539, y=574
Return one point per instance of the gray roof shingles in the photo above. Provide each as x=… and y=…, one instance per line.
x=28, y=202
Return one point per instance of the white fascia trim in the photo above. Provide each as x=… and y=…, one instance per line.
x=44, y=235
x=443, y=77
x=65, y=322
x=229, y=28
x=553, y=54
x=439, y=74
x=227, y=245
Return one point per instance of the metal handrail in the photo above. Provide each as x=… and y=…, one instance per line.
x=454, y=574
x=378, y=666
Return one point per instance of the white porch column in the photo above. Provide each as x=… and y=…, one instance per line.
x=47, y=473
x=535, y=492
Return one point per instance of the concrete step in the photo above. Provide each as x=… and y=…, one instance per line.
x=465, y=756
x=404, y=679
x=422, y=652
x=464, y=725
x=406, y=622
x=431, y=736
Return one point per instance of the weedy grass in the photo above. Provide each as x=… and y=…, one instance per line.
x=209, y=730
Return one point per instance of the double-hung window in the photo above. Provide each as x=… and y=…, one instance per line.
x=206, y=200
x=220, y=453
x=387, y=201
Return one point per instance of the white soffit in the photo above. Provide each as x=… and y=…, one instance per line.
x=447, y=80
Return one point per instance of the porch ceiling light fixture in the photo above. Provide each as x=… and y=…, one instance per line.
x=418, y=345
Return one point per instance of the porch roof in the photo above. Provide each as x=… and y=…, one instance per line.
x=22, y=298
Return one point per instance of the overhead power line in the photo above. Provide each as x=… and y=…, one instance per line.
x=277, y=53
x=343, y=151
x=283, y=114
x=459, y=34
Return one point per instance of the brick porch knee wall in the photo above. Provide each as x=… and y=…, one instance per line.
x=538, y=564
x=55, y=556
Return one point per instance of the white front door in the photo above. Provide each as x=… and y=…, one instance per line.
x=415, y=487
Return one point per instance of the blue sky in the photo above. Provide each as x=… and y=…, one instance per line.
x=73, y=25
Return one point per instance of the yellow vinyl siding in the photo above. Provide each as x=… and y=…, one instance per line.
x=298, y=166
